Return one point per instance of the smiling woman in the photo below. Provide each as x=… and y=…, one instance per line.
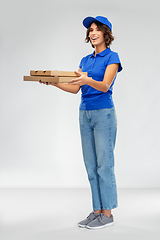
x=97, y=119
x=101, y=28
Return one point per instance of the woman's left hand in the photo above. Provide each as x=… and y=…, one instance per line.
x=81, y=80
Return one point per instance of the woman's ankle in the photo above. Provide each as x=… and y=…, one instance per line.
x=106, y=212
x=98, y=211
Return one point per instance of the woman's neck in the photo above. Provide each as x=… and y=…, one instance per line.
x=99, y=49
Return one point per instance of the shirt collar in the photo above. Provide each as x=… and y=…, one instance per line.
x=102, y=54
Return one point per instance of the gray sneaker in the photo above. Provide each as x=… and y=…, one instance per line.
x=93, y=215
x=100, y=222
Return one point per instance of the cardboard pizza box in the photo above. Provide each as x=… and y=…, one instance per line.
x=55, y=73
x=49, y=79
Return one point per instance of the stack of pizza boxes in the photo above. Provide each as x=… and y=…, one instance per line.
x=53, y=76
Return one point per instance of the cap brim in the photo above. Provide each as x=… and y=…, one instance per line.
x=88, y=20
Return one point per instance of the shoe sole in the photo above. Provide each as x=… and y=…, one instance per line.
x=106, y=225
x=82, y=226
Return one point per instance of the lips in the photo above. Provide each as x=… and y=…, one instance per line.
x=93, y=39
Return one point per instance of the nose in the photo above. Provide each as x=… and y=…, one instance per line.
x=94, y=31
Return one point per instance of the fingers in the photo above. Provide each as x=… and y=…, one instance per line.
x=78, y=73
x=47, y=83
x=76, y=79
x=42, y=82
x=75, y=82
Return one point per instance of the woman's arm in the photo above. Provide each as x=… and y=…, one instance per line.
x=65, y=87
x=103, y=86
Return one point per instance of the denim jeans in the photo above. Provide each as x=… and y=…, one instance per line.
x=98, y=130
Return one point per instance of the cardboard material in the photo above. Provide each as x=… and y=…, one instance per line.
x=55, y=73
x=48, y=79
x=42, y=78
x=53, y=76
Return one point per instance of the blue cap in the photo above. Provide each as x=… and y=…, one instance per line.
x=88, y=20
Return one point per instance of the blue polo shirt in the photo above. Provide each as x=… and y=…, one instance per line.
x=92, y=99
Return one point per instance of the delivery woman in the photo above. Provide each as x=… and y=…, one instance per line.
x=97, y=119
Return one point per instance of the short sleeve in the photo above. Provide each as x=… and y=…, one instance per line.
x=114, y=58
x=80, y=65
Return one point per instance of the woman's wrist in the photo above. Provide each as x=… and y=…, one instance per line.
x=89, y=81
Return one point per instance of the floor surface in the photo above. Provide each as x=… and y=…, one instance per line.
x=49, y=213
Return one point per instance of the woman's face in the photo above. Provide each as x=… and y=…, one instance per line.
x=96, y=36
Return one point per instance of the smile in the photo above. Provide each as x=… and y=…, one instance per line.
x=94, y=39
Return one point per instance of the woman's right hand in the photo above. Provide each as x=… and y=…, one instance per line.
x=48, y=83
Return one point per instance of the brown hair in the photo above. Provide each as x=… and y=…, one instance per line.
x=107, y=34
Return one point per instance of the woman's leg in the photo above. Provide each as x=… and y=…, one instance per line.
x=90, y=159
x=105, y=129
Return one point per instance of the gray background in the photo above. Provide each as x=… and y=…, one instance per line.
x=39, y=132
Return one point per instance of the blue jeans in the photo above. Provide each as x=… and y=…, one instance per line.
x=98, y=130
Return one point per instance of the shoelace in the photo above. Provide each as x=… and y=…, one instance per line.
x=90, y=214
x=100, y=217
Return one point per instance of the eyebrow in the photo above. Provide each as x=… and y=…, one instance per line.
x=92, y=28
